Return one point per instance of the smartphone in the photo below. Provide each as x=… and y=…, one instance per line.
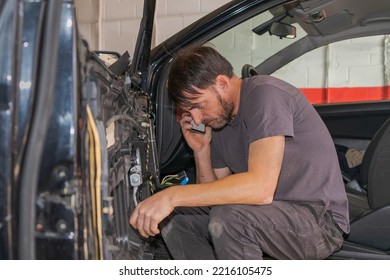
x=198, y=128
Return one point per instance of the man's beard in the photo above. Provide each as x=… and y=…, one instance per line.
x=225, y=117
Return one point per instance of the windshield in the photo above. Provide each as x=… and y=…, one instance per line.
x=240, y=45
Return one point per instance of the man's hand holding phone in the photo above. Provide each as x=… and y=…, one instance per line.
x=198, y=137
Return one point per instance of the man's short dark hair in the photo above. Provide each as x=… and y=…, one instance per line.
x=195, y=67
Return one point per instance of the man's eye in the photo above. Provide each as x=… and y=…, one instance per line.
x=195, y=106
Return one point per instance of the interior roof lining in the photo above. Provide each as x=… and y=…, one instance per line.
x=336, y=12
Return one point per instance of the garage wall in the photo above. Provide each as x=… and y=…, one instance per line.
x=352, y=70
x=88, y=16
x=114, y=24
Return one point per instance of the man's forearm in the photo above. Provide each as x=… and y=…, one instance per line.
x=242, y=188
x=255, y=186
x=204, y=170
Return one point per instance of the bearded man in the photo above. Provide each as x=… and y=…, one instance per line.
x=268, y=178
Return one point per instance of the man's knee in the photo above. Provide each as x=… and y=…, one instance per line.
x=185, y=220
x=224, y=218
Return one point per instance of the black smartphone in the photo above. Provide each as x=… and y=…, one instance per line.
x=198, y=128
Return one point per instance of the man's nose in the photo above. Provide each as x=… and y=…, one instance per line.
x=196, y=116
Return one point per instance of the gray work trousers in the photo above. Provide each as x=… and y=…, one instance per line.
x=281, y=230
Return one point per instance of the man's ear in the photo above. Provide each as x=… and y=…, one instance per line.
x=223, y=82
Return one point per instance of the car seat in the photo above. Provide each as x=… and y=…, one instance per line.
x=369, y=237
x=248, y=71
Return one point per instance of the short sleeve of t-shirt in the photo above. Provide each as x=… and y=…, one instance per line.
x=267, y=111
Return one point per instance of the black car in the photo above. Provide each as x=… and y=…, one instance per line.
x=81, y=143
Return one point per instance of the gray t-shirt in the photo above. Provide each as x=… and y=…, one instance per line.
x=310, y=169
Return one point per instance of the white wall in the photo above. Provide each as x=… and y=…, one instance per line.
x=88, y=16
x=114, y=24
x=350, y=63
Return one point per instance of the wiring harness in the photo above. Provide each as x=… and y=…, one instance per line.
x=175, y=179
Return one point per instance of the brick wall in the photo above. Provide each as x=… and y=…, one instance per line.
x=114, y=24
x=351, y=70
x=88, y=13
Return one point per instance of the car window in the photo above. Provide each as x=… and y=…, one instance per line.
x=240, y=45
x=351, y=70
x=347, y=71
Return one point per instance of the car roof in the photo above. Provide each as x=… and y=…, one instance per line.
x=324, y=17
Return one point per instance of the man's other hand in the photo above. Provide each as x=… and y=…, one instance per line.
x=150, y=212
